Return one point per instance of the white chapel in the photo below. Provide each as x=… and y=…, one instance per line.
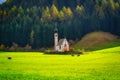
x=62, y=45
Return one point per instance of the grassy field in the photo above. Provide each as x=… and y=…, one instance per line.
x=98, y=65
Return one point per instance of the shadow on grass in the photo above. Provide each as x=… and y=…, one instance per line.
x=64, y=53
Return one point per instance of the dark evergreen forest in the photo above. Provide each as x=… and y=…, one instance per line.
x=33, y=21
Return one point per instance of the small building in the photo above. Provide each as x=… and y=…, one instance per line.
x=62, y=45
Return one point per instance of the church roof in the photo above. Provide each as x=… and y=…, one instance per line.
x=60, y=41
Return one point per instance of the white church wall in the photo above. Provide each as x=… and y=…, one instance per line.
x=59, y=49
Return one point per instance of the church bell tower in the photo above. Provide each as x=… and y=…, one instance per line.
x=55, y=38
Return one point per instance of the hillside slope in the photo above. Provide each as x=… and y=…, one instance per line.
x=98, y=40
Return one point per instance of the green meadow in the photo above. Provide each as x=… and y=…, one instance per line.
x=97, y=65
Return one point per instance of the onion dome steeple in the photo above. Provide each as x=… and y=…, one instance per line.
x=55, y=30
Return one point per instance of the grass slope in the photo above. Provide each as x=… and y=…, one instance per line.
x=97, y=40
x=100, y=65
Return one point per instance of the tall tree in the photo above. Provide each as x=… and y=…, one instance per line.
x=54, y=12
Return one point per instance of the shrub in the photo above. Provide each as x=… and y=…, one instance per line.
x=15, y=45
x=12, y=48
x=27, y=47
x=71, y=42
x=42, y=49
x=2, y=47
x=72, y=49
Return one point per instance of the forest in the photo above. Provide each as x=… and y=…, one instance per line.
x=33, y=21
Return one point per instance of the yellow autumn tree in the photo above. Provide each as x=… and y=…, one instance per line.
x=54, y=12
x=61, y=16
x=46, y=16
x=111, y=4
x=117, y=6
x=99, y=11
x=80, y=10
x=104, y=4
x=70, y=13
x=67, y=13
